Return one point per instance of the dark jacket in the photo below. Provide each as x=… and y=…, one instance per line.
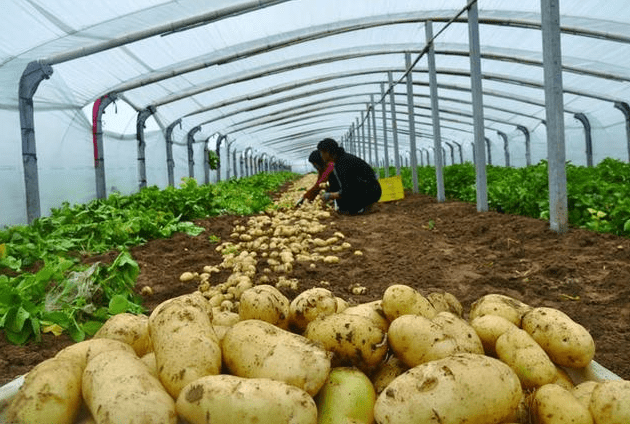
x=357, y=183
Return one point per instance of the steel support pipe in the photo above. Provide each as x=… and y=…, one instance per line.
x=141, y=120
x=435, y=114
x=392, y=108
x=99, y=155
x=528, y=149
x=385, y=141
x=587, y=137
x=412, y=125
x=625, y=109
x=506, y=148
x=170, y=163
x=191, y=159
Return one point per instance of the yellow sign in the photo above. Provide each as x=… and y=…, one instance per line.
x=392, y=189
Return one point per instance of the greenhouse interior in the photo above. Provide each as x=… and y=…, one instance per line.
x=108, y=100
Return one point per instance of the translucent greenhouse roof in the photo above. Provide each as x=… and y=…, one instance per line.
x=277, y=76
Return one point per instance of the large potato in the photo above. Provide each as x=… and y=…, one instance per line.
x=610, y=402
x=310, y=304
x=258, y=349
x=416, y=340
x=185, y=344
x=528, y=360
x=372, y=310
x=346, y=396
x=501, y=305
x=446, y=302
x=566, y=342
x=465, y=335
x=556, y=405
x=51, y=393
x=118, y=388
x=400, y=299
x=389, y=369
x=266, y=303
x=489, y=328
x=129, y=328
x=584, y=391
x=463, y=388
x=355, y=340
x=228, y=399
x=83, y=351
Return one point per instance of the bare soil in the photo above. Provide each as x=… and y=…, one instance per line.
x=428, y=245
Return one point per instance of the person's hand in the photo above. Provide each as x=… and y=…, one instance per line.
x=311, y=194
x=327, y=195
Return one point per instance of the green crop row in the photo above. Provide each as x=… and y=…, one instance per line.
x=45, y=287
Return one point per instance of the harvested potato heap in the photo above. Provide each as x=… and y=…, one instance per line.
x=405, y=358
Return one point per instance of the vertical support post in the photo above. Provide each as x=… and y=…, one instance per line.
x=554, y=103
x=528, y=149
x=248, y=164
x=506, y=147
x=385, y=141
x=412, y=125
x=376, y=161
x=489, y=150
x=191, y=160
x=33, y=74
x=217, y=149
x=437, y=136
x=625, y=109
x=452, y=150
x=97, y=138
x=477, y=105
x=369, y=135
x=170, y=163
x=461, y=154
x=587, y=137
x=362, y=136
x=392, y=108
x=206, y=162
x=141, y=119
x=234, y=164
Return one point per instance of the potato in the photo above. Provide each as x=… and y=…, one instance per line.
x=224, y=318
x=346, y=396
x=118, y=388
x=445, y=302
x=610, y=402
x=563, y=379
x=566, y=342
x=342, y=304
x=228, y=399
x=416, y=340
x=528, y=360
x=129, y=328
x=584, y=391
x=465, y=335
x=501, y=305
x=83, y=351
x=258, y=349
x=310, y=304
x=149, y=361
x=51, y=393
x=489, y=328
x=556, y=405
x=463, y=388
x=400, y=299
x=372, y=310
x=354, y=340
x=266, y=303
x=185, y=344
x=387, y=371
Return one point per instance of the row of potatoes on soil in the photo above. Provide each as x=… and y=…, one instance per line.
x=405, y=358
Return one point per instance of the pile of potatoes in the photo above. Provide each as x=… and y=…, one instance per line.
x=241, y=351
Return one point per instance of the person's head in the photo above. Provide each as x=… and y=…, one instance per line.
x=329, y=149
x=316, y=160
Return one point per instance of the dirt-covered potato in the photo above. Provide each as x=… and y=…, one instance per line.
x=556, y=405
x=185, y=344
x=400, y=299
x=584, y=391
x=258, y=349
x=610, y=402
x=347, y=396
x=501, y=305
x=463, y=388
x=51, y=393
x=310, y=304
x=118, y=388
x=372, y=310
x=386, y=372
x=224, y=318
x=82, y=352
x=446, y=302
x=129, y=328
x=489, y=328
x=266, y=303
x=459, y=329
x=416, y=340
x=566, y=342
x=355, y=340
x=528, y=360
x=228, y=399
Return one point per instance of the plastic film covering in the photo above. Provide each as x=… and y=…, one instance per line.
x=277, y=76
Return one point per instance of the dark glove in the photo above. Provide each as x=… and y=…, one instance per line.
x=311, y=194
x=326, y=195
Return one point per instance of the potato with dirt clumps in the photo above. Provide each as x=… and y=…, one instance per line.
x=528, y=360
x=566, y=342
x=489, y=328
x=258, y=349
x=372, y=310
x=459, y=329
x=416, y=340
x=129, y=328
x=310, y=304
x=347, y=396
x=228, y=399
x=501, y=305
x=400, y=299
x=610, y=402
x=266, y=303
x=391, y=368
x=445, y=302
x=463, y=388
x=118, y=388
x=185, y=344
x=556, y=405
x=355, y=340
x=51, y=393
